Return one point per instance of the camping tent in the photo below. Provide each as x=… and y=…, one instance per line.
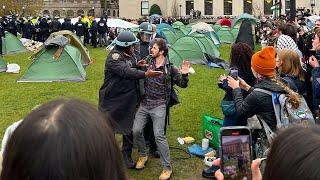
x=74, y=40
x=180, y=32
x=11, y=44
x=208, y=44
x=235, y=31
x=216, y=27
x=3, y=65
x=58, y=60
x=225, y=35
x=164, y=25
x=169, y=35
x=211, y=35
x=177, y=24
x=192, y=49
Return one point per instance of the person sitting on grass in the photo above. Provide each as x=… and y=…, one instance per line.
x=63, y=140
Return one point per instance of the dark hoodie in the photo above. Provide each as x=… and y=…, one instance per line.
x=258, y=103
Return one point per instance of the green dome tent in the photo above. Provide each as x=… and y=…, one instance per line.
x=11, y=44
x=211, y=35
x=58, y=60
x=208, y=44
x=3, y=65
x=235, y=31
x=192, y=49
x=177, y=24
x=169, y=35
x=216, y=27
x=181, y=32
x=225, y=35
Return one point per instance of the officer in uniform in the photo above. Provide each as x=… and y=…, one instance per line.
x=118, y=96
x=55, y=26
x=80, y=29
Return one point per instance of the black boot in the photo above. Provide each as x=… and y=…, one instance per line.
x=209, y=172
x=128, y=161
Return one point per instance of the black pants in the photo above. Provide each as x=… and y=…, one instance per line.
x=94, y=41
x=127, y=143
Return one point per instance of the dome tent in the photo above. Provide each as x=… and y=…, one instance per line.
x=58, y=60
x=3, y=65
x=192, y=49
x=225, y=35
x=181, y=32
x=169, y=35
x=11, y=44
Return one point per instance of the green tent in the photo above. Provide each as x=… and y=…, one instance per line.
x=192, y=49
x=225, y=35
x=235, y=31
x=211, y=35
x=208, y=44
x=216, y=27
x=56, y=63
x=169, y=35
x=11, y=44
x=177, y=24
x=181, y=32
x=3, y=65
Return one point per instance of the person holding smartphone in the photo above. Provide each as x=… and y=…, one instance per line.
x=314, y=62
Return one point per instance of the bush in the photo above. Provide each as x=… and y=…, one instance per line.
x=155, y=9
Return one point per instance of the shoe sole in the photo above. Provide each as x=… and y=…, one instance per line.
x=142, y=167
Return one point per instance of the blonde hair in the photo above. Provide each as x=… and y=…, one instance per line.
x=290, y=63
x=294, y=98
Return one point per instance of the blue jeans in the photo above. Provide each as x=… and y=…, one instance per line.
x=158, y=116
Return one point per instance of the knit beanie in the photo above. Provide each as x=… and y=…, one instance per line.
x=263, y=62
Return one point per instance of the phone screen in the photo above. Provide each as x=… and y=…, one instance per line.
x=236, y=154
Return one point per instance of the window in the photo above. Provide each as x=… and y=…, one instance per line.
x=247, y=6
x=267, y=7
x=287, y=6
x=189, y=6
x=227, y=7
x=144, y=8
x=208, y=7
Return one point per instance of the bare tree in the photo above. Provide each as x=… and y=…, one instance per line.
x=174, y=9
x=30, y=7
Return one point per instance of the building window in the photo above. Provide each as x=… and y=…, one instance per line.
x=287, y=6
x=227, y=7
x=247, y=6
x=144, y=8
x=189, y=6
x=208, y=7
x=267, y=7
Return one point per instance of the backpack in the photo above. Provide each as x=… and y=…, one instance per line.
x=285, y=114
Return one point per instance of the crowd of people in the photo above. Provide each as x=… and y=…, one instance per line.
x=70, y=139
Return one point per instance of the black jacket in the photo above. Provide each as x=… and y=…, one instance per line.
x=80, y=28
x=67, y=26
x=118, y=95
x=258, y=103
x=102, y=27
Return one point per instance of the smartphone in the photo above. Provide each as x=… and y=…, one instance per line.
x=234, y=72
x=236, y=152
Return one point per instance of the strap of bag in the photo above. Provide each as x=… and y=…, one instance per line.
x=275, y=103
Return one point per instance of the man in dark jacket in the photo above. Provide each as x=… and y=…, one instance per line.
x=12, y=26
x=27, y=30
x=118, y=96
x=94, y=31
x=66, y=25
x=55, y=25
x=155, y=102
x=102, y=32
x=80, y=29
x=44, y=29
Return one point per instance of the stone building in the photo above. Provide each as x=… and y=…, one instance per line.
x=138, y=8
x=110, y=7
x=71, y=8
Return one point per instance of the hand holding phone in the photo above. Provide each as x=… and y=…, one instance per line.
x=235, y=152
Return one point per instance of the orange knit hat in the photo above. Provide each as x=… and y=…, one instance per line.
x=264, y=61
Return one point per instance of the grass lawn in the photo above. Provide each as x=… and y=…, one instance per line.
x=201, y=97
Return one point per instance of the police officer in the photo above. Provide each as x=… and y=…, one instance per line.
x=66, y=25
x=102, y=32
x=80, y=29
x=118, y=96
x=93, y=32
x=55, y=25
x=27, y=30
x=12, y=26
x=44, y=29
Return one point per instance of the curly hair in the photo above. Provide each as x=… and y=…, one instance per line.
x=240, y=57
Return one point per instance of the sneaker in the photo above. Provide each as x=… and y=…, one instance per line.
x=165, y=174
x=141, y=162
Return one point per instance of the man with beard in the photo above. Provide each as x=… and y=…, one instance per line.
x=155, y=99
x=118, y=96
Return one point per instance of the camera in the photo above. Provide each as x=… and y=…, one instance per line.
x=234, y=72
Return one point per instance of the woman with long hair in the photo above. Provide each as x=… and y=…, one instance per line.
x=240, y=58
x=290, y=69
